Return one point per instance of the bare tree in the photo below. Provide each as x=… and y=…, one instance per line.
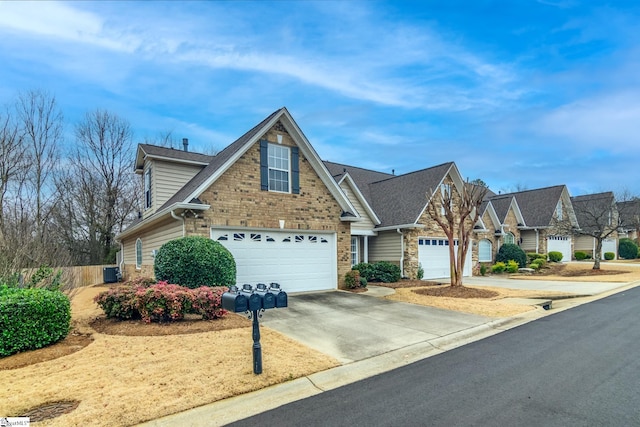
x=42, y=126
x=12, y=158
x=457, y=213
x=99, y=183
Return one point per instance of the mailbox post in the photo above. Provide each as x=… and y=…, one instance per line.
x=253, y=302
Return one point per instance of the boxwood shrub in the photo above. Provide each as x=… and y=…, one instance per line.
x=627, y=249
x=555, y=256
x=609, y=256
x=195, y=261
x=509, y=251
x=580, y=255
x=32, y=319
x=381, y=271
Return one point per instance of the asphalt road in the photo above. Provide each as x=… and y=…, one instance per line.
x=579, y=367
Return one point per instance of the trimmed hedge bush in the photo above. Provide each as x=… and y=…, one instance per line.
x=195, y=261
x=609, y=256
x=32, y=319
x=381, y=271
x=510, y=251
x=498, y=267
x=580, y=255
x=627, y=249
x=555, y=256
x=352, y=279
x=161, y=302
x=512, y=266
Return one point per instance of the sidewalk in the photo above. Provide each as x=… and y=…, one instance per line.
x=243, y=406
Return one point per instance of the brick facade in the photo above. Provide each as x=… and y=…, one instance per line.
x=236, y=200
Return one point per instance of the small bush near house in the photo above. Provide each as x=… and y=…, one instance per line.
x=32, y=319
x=609, y=256
x=580, y=255
x=533, y=256
x=161, y=302
x=555, y=256
x=627, y=249
x=194, y=262
x=352, y=279
x=483, y=270
x=510, y=251
x=420, y=273
x=366, y=270
x=512, y=266
x=381, y=271
x=363, y=282
x=535, y=265
x=498, y=267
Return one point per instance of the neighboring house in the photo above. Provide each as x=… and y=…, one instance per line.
x=396, y=226
x=267, y=197
x=597, y=215
x=630, y=219
x=535, y=213
x=501, y=219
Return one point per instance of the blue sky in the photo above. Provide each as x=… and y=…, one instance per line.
x=522, y=94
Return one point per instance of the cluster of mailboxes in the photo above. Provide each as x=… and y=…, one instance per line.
x=251, y=299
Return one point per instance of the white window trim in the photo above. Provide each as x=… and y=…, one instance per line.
x=355, y=254
x=147, y=188
x=138, y=253
x=287, y=170
x=490, y=244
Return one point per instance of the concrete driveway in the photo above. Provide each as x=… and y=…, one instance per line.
x=575, y=287
x=352, y=327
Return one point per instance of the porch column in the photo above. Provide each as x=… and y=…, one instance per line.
x=366, y=249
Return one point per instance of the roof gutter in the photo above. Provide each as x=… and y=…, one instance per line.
x=179, y=218
x=160, y=216
x=398, y=227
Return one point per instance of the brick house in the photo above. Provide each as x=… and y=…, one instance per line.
x=267, y=197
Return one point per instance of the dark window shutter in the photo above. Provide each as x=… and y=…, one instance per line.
x=295, y=171
x=264, y=165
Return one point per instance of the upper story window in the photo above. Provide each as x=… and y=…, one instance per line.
x=278, y=168
x=147, y=188
x=138, y=254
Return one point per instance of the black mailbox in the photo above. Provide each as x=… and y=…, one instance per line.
x=237, y=303
x=281, y=296
x=255, y=302
x=268, y=298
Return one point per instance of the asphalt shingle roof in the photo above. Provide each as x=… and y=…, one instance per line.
x=172, y=153
x=537, y=206
x=592, y=209
x=362, y=177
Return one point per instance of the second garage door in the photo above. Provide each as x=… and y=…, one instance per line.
x=560, y=244
x=433, y=255
x=298, y=261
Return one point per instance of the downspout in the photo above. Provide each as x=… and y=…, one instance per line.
x=537, y=241
x=401, y=251
x=176, y=217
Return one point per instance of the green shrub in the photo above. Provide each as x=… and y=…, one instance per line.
x=46, y=277
x=510, y=251
x=161, y=302
x=535, y=265
x=580, y=255
x=194, y=262
x=363, y=282
x=420, y=273
x=366, y=270
x=382, y=271
x=609, y=256
x=498, y=267
x=483, y=270
x=387, y=272
x=512, y=266
x=32, y=318
x=352, y=279
x=627, y=249
x=532, y=256
x=555, y=256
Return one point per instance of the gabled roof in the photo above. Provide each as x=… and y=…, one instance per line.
x=538, y=206
x=148, y=151
x=487, y=207
x=629, y=212
x=227, y=157
x=400, y=200
x=361, y=177
x=592, y=209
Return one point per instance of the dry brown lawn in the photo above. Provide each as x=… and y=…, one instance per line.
x=125, y=380
x=610, y=271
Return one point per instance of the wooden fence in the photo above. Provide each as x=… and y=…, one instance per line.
x=86, y=275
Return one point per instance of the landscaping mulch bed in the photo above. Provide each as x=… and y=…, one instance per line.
x=456, y=292
x=50, y=410
x=406, y=283
x=553, y=269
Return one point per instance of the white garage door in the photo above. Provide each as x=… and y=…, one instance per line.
x=560, y=244
x=298, y=261
x=609, y=245
x=433, y=255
